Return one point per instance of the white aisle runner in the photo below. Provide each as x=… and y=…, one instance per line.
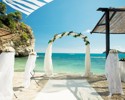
x=68, y=90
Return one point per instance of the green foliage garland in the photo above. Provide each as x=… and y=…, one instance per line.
x=76, y=35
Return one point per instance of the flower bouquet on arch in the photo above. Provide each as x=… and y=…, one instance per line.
x=122, y=59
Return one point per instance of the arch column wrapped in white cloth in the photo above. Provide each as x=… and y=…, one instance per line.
x=48, y=66
x=30, y=65
x=113, y=73
x=6, y=75
x=87, y=61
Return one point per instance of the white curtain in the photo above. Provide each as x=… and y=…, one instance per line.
x=87, y=61
x=30, y=65
x=48, y=66
x=113, y=73
x=122, y=70
x=6, y=75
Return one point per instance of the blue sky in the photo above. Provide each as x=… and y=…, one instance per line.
x=71, y=15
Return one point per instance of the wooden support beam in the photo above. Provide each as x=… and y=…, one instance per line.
x=107, y=33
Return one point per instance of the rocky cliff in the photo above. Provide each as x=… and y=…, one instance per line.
x=14, y=33
x=22, y=42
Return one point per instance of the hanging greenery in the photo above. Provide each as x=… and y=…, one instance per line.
x=50, y=41
x=62, y=34
x=74, y=34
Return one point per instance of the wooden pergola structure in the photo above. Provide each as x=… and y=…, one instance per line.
x=112, y=22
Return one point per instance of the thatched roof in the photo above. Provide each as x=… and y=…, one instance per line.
x=117, y=21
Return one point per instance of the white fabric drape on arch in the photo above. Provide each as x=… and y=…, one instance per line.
x=30, y=65
x=7, y=60
x=87, y=61
x=48, y=66
x=113, y=73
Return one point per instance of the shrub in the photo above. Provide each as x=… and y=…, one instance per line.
x=22, y=25
x=18, y=16
x=12, y=25
x=24, y=37
x=2, y=8
x=1, y=24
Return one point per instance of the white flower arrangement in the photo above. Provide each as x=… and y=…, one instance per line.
x=113, y=51
x=122, y=59
x=80, y=35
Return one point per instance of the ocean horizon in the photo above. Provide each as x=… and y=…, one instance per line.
x=72, y=63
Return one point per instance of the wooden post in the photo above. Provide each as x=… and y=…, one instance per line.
x=107, y=32
x=108, y=18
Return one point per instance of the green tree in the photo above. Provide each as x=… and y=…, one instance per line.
x=18, y=16
x=9, y=21
x=2, y=8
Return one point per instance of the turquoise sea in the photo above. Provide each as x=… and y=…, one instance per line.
x=67, y=63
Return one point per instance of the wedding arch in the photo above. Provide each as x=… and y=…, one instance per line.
x=48, y=66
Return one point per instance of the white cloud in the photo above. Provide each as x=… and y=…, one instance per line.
x=120, y=48
x=87, y=31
